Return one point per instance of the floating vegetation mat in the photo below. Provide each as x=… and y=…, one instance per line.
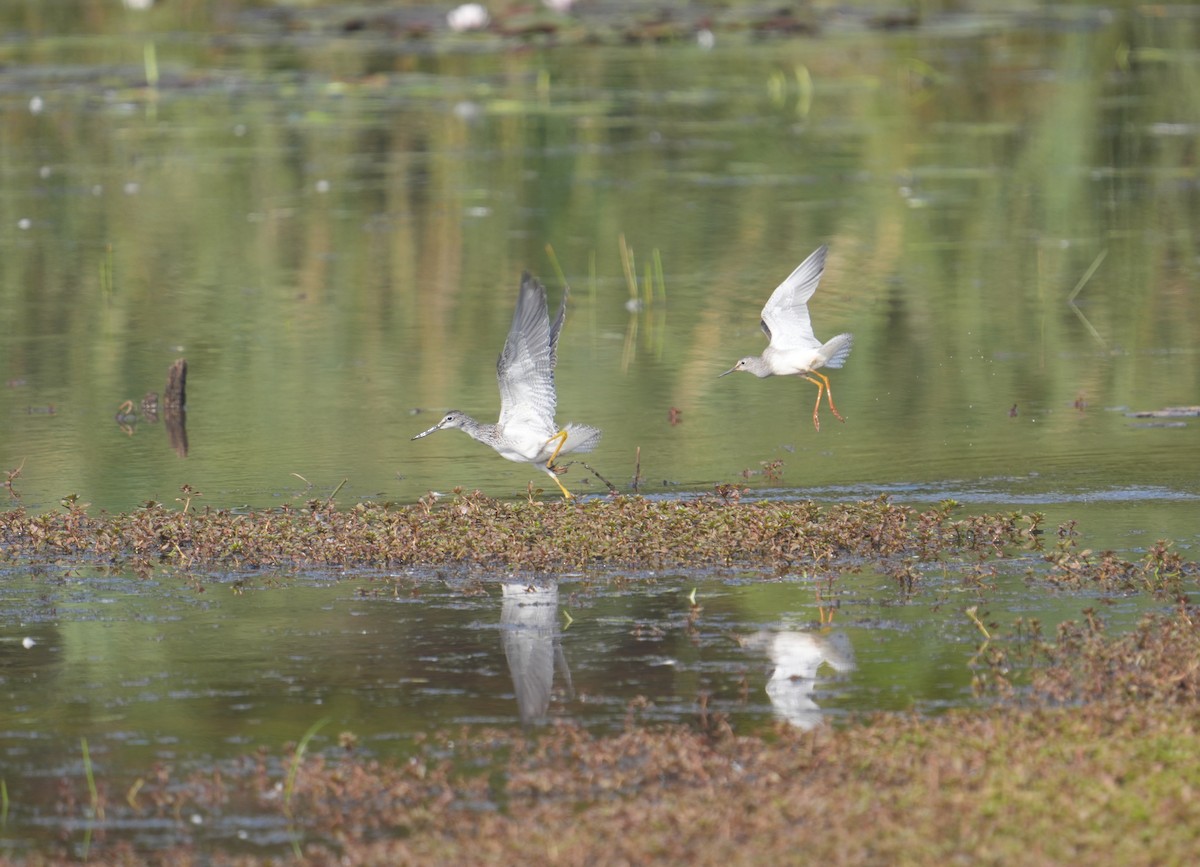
x=719, y=530
x=472, y=531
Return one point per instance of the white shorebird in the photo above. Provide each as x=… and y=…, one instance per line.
x=794, y=349
x=526, y=431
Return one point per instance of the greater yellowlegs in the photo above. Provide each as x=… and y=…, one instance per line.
x=793, y=349
x=526, y=431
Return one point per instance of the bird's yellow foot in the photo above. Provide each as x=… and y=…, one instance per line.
x=561, y=436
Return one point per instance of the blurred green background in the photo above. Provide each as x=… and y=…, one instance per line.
x=326, y=211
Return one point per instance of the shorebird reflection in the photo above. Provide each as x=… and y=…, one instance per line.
x=529, y=632
x=798, y=657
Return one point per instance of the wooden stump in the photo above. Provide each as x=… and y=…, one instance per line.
x=174, y=405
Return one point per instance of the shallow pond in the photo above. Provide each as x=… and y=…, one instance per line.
x=197, y=675
x=329, y=224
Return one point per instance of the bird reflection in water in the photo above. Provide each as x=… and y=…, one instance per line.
x=798, y=657
x=530, y=634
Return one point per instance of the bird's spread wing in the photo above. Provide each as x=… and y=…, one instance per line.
x=525, y=370
x=785, y=318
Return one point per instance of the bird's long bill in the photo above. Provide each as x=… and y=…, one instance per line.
x=726, y=373
x=426, y=433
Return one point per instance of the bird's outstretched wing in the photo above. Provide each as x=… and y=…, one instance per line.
x=525, y=370
x=785, y=318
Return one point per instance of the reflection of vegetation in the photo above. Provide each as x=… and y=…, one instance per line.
x=1098, y=759
x=324, y=228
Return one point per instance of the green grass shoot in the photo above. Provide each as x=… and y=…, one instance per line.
x=562, y=278
x=150, y=62
x=297, y=758
x=89, y=775
x=628, y=266
x=658, y=276
x=106, y=273
x=1087, y=275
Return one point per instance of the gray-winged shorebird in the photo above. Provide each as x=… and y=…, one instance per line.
x=526, y=431
x=794, y=349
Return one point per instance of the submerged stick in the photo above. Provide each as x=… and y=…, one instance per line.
x=173, y=404
x=329, y=501
x=612, y=489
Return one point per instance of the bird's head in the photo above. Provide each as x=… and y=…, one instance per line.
x=749, y=363
x=452, y=419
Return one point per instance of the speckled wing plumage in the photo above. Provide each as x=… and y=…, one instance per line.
x=525, y=369
x=785, y=318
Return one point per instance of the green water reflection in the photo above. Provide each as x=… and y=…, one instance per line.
x=161, y=672
x=332, y=237
x=195, y=677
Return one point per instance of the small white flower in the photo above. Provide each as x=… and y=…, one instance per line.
x=469, y=16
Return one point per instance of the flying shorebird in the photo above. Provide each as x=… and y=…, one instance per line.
x=793, y=349
x=526, y=431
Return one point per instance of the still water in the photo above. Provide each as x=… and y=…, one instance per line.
x=331, y=229
x=194, y=676
x=331, y=232
x=160, y=671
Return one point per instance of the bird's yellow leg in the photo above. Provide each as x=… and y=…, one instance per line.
x=829, y=397
x=826, y=614
x=551, y=470
x=828, y=392
x=817, y=405
x=561, y=436
x=566, y=494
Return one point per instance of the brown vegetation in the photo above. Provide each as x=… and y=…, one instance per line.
x=471, y=529
x=1110, y=778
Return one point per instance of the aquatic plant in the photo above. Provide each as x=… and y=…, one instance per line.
x=718, y=530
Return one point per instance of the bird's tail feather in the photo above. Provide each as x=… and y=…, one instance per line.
x=837, y=349
x=580, y=438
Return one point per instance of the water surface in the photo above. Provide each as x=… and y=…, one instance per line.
x=333, y=238
x=331, y=229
